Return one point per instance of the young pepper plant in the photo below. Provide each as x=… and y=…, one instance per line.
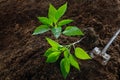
x=54, y=23
x=68, y=59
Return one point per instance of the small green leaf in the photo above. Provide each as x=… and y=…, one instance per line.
x=49, y=51
x=73, y=62
x=41, y=29
x=45, y=20
x=72, y=31
x=51, y=13
x=81, y=54
x=61, y=48
x=65, y=67
x=56, y=31
x=66, y=53
x=53, y=57
x=64, y=22
x=53, y=43
x=61, y=11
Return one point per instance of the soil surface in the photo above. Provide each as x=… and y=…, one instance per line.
x=21, y=54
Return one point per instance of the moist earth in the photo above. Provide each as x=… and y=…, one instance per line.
x=21, y=53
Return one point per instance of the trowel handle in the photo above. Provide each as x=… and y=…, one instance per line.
x=110, y=42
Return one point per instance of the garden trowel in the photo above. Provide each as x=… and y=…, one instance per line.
x=101, y=55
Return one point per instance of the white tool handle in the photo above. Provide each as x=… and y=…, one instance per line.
x=110, y=42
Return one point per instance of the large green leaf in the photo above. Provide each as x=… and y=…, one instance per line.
x=65, y=67
x=81, y=54
x=64, y=22
x=53, y=57
x=73, y=62
x=51, y=13
x=61, y=11
x=56, y=31
x=45, y=20
x=72, y=31
x=41, y=29
x=49, y=51
x=53, y=43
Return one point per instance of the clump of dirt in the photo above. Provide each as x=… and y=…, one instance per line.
x=21, y=54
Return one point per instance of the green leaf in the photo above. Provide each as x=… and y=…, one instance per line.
x=66, y=53
x=51, y=13
x=53, y=43
x=41, y=29
x=64, y=22
x=65, y=67
x=45, y=20
x=53, y=57
x=56, y=31
x=49, y=51
x=81, y=54
x=73, y=62
x=61, y=11
x=61, y=48
x=72, y=31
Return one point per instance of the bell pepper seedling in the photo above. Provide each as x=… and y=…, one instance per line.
x=54, y=23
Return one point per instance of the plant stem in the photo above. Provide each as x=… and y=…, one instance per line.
x=73, y=44
x=77, y=41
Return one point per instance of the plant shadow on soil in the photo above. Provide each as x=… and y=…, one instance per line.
x=21, y=54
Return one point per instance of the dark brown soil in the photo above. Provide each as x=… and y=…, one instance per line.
x=21, y=54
